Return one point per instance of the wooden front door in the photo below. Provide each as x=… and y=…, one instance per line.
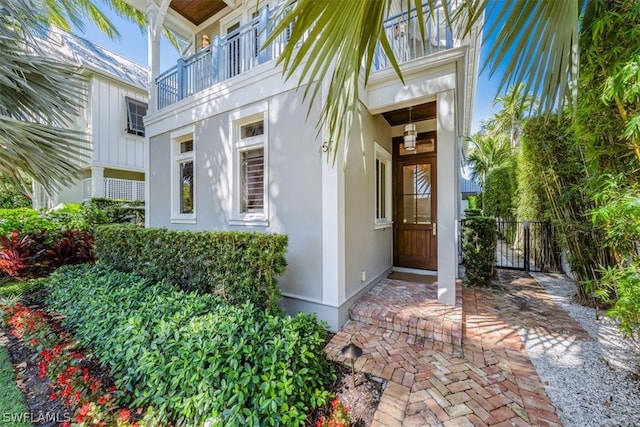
x=415, y=204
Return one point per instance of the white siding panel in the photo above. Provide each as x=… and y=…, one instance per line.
x=114, y=146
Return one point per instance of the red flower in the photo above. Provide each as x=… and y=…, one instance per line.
x=56, y=349
x=65, y=424
x=46, y=355
x=42, y=367
x=94, y=385
x=79, y=419
x=33, y=342
x=53, y=396
x=85, y=409
x=113, y=389
x=124, y=415
x=62, y=379
x=67, y=390
x=102, y=400
x=76, y=355
x=76, y=395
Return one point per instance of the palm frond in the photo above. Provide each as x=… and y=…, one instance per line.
x=336, y=39
x=537, y=44
x=39, y=99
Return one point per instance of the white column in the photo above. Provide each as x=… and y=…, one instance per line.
x=447, y=198
x=333, y=245
x=153, y=52
x=333, y=231
x=97, y=181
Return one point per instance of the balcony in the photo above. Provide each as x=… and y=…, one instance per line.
x=241, y=50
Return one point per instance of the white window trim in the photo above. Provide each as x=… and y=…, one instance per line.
x=125, y=127
x=384, y=156
x=237, y=119
x=182, y=135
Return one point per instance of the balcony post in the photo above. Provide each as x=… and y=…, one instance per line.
x=264, y=55
x=215, y=59
x=153, y=55
x=181, y=77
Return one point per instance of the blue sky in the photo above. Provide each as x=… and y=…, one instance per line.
x=133, y=45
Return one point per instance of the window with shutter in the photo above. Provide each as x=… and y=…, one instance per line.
x=253, y=181
x=136, y=110
x=250, y=160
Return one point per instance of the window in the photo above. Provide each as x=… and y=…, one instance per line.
x=382, y=173
x=252, y=186
x=250, y=201
x=136, y=110
x=183, y=177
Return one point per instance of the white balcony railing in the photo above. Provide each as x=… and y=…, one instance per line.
x=241, y=51
x=119, y=189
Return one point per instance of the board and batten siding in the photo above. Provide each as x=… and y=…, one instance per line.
x=112, y=145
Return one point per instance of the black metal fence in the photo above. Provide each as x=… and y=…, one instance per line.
x=526, y=245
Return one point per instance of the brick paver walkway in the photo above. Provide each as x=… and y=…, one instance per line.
x=488, y=380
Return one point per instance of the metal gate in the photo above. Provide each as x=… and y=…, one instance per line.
x=526, y=245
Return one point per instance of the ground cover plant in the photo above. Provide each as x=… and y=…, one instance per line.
x=191, y=358
x=12, y=406
x=91, y=402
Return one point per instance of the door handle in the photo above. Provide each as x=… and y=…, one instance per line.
x=434, y=229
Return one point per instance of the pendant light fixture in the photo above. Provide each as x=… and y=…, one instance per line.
x=410, y=134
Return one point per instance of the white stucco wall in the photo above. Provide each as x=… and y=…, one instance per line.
x=367, y=249
x=294, y=188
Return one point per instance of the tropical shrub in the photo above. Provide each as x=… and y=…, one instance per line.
x=20, y=252
x=499, y=192
x=73, y=247
x=192, y=358
x=12, y=196
x=479, y=241
x=112, y=211
x=235, y=266
x=619, y=216
x=23, y=220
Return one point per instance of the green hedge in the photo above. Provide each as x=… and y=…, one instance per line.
x=112, y=211
x=24, y=220
x=479, y=241
x=191, y=358
x=235, y=266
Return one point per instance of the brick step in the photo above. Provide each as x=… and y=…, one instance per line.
x=411, y=308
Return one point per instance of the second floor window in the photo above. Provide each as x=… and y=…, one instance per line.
x=136, y=110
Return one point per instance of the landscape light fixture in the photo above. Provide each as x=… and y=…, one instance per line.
x=351, y=352
x=410, y=134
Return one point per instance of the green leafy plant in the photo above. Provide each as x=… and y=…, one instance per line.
x=191, y=358
x=479, y=249
x=23, y=220
x=235, y=266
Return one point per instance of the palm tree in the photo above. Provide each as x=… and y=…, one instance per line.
x=486, y=153
x=535, y=40
x=516, y=105
x=39, y=97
